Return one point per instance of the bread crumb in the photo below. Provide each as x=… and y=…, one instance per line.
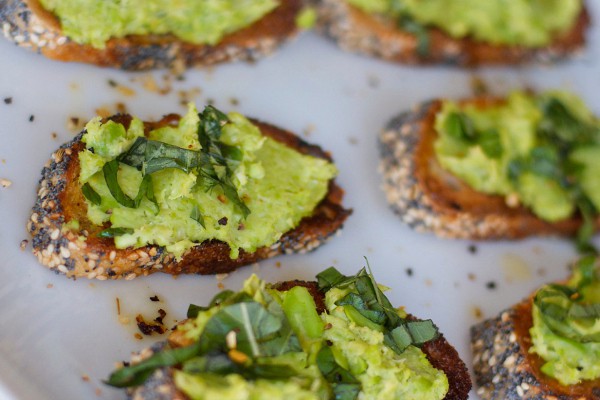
x=309, y=130
x=428, y=282
x=118, y=305
x=85, y=378
x=123, y=320
x=23, y=244
x=98, y=392
x=75, y=124
x=49, y=286
x=471, y=277
x=54, y=135
x=220, y=286
x=512, y=200
x=478, y=86
x=5, y=182
x=515, y=268
x=477, y=313
x=138, y=336
x=221, y=277
x=103, y=112
x=352, y=140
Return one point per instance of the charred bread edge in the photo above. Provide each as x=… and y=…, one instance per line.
x=439, y=352
x=64, y=253
x=357, y=31
x=503, y=367
x=409, y=194
x=22, y=25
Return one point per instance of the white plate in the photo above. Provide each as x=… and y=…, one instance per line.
x=55, y=333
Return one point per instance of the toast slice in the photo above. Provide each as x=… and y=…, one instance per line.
x=440, y=353
x=61, y=200
x=430, y=199
x=357, y=31
x=504, y=367
x=29, y=25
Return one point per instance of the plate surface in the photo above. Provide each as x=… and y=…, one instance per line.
x=60, y=338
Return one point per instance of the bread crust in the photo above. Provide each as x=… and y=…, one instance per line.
x=357, y=31
x=60, y=200
x=505, y=369
x=439, y=352
x=430, y=199
x=27, y=24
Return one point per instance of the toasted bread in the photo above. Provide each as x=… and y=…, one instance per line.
x=505, y=369
x=439, y=352
x=357, y=31
x=60, y=200
x=430, y=199
x=29, y=25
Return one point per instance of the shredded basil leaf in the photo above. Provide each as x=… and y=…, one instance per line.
x=137, y=374
x=460, y=127
x=110, y=171
x=410, y=25
x=221, y=156
x=113, y=232
x=372, y=304
x=197, y=216
x=90, y=194
x=563, y=310
x=345, y=386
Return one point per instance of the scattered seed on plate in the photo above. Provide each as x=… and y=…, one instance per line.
x=5, y=182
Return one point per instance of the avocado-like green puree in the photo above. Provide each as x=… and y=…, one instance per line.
x=279, y=185
x=94, y=22
x=383, y=374
x=569, y=360
x=521, y=164
x=531, y=23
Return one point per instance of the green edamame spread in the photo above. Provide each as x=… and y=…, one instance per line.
x=213, y=176
x=263, y=343
x=566, y=326
x=540, y=150
x=94, y=22
x=531, y=23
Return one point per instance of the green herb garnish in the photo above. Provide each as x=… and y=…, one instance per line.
x=460, y=127
x=563, y=308
x=345, y=386
x=90, y=194
x=113, y=232
x=374, y=306
x=214, y=163
x=560, y=132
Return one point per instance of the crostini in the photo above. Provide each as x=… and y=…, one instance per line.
x=336, y=338
x=204, y=193
x=491, y=168
x=141, y=35
x=546, y=347
x=457, y=32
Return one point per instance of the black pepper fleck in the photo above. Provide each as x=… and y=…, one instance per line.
x=223, y=221
x=154, y=298
x=472, y=249
x=31, y=118
x=491, y=285
x=8, y=100
x=112, y=83
x=409, y=271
